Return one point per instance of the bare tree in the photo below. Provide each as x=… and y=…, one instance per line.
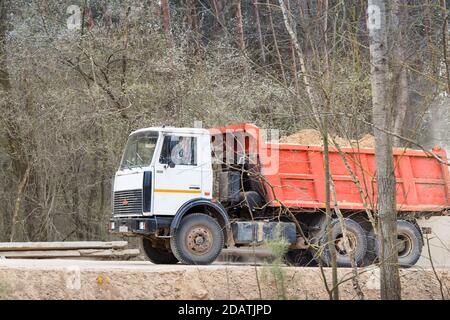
x=275, y=42
x=240, y=26
x=316, y=104
x=4, y=76
x=443, y=5
x=166, y=19
x=258, y=27
x=382, y=119
x=400, y=94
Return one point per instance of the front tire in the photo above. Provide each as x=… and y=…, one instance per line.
x=198, y=240
x=156, y=252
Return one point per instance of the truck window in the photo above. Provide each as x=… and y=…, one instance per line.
x=139, y=150
x=180, y=150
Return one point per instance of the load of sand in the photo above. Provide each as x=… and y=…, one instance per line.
x=313, y=137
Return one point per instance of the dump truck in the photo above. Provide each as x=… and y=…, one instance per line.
x=190, y=192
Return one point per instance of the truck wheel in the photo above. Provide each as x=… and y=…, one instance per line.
x=410, y=243
x=357, y=242
x=198, y=240
x=157, y=254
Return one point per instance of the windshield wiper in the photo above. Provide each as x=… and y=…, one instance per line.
x=125, y=166
x=140, y=159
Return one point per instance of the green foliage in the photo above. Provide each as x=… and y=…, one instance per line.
x=278, y=247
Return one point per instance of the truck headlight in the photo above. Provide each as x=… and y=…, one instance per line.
x=141, y=225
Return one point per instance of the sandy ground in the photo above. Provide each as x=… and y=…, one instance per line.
x=79, y=279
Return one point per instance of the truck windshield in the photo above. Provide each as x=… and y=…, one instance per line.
x=139, y=150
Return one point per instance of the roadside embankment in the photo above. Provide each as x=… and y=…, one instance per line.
x=78, y=279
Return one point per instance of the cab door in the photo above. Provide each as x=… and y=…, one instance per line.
x=178, y=175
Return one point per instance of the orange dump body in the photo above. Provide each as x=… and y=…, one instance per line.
x=294, y=174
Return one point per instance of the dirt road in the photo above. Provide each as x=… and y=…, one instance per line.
x=80, y=279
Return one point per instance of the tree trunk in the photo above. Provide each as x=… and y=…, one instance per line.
x=192, y=15
x=215, y=8
x=166, y=19
x=329, y=230
x=5, y=87
x=125, y=52
x=400, y=98
x=240, y=26
x=275, y=42
x=258, y=28
x=326, y=154
x=219, y=25
x=20, y=191
x=301, y=56
x=291, y=47
x=4, y=75
x=445, y=43
x=294, y=66
x=382, y=120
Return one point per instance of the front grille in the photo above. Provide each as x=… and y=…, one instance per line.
x=128, y=202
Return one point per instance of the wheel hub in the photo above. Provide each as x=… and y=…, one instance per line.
x=199, y=240
x=404, y=245
x=343, y=248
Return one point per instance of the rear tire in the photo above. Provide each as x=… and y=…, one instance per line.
x=157, y=253
x=357, y=239
x=409, y=247
x=198, y=240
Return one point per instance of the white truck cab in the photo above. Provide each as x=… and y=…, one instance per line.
x=161, y=169
x=166, y=174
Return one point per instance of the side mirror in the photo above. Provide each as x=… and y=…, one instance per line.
x=171, y=164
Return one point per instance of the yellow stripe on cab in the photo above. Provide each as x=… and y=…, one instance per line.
x=178, y=191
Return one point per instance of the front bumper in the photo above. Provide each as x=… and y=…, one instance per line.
x=130, y=226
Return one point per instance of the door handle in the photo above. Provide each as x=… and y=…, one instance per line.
x=194, y=187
